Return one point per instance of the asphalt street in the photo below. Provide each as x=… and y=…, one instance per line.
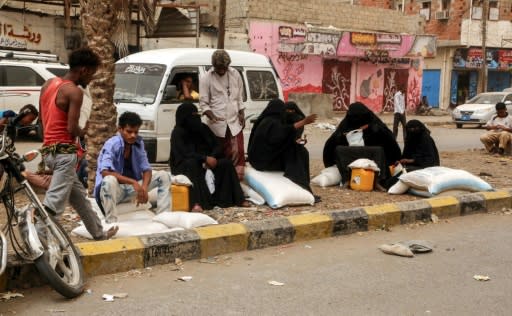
x=347, y=275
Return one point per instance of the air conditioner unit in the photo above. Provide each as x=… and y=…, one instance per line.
x=442, y=15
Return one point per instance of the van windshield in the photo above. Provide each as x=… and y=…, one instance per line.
x=138, y=83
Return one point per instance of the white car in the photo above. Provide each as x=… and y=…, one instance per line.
x=21, y=76
x=481, y=108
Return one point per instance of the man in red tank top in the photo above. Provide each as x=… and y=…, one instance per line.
x=59, y=105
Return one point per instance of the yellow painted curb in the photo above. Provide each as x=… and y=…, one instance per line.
x=444, y=207
x=220, y=239
x=311, y=226
x=111, y=256
x=496, y=201
x=382, y=215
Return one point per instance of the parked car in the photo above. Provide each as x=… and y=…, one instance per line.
x=481, y=108
x=21, y=76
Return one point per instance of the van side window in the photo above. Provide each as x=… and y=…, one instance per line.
x=21, y=76
x=241, y=72
x=188, y=76
x=508, y=97
x=262, y=85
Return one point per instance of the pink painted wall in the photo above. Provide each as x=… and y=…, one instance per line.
x=298, y=72
x=304, y=73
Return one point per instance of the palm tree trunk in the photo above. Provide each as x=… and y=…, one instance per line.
x=96, y=18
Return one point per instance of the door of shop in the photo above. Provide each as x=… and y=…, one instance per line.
x=463, y=87
x=393, y=78
x=336, y=81
x=498, y=80
x=430, y=86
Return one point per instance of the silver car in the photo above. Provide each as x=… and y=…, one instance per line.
x=481, y=108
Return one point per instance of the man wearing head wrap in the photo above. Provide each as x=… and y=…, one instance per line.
x=221, y=100
x=194, y=151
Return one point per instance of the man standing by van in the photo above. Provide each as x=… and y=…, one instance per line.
x=59, y=105
x=399, y=109
x=221, y=100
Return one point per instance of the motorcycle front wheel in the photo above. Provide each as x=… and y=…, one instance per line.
x=60, y=263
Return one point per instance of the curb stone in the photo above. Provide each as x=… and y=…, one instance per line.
x=124, y=254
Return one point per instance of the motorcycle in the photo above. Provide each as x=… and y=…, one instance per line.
x=33, y=233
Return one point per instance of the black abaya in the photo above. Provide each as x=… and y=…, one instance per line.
x=420, y=147
x=377, y=134
x=273, y=146
x=191, y=143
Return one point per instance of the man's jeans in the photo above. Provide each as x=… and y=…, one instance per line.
x=64, y=187
x=113, y=193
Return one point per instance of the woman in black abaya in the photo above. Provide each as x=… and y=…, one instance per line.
x=194, y=149
x=420, y=150
x=379, y=144
x=275, y=145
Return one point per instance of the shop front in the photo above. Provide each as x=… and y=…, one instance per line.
x=467, y=64
x=349, y=66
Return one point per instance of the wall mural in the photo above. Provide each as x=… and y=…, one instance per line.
x=322, y=60
x=336, y=81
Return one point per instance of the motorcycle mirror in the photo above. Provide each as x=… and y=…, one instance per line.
x=31, y=155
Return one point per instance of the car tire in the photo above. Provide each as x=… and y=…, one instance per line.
x=459, y=125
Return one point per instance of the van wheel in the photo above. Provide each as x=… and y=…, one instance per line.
x=458, y=125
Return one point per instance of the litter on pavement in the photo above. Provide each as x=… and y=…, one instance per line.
x=185, y=278
x=9, y=295
x=407, y=248
x=276, y=283
x=112, y=297
x=479, y=277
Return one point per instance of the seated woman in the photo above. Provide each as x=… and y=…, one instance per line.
x=274, y=145
x=186, y=91
x=379, y=144
x=292, y=115
x=194, y=150
x=420, y=150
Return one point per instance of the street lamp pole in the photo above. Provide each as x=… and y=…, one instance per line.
x=485, y=15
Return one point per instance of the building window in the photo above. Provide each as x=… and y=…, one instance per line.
x=445, y=5
x=425, y=10
x=494, y=10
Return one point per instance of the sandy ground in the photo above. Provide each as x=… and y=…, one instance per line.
x=493, y=169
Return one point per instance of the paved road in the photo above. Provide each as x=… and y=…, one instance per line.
x=336, y=276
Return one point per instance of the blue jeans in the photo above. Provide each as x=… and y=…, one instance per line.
x=113, y=193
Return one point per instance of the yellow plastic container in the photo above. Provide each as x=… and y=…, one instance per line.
x=362, y=179
x=180, y=201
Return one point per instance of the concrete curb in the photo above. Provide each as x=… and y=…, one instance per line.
x=124, y=254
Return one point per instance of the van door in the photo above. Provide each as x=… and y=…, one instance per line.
x=166, y=117
x=19, y=85
x=263, y=87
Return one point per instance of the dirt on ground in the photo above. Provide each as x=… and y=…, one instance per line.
x=493, y=169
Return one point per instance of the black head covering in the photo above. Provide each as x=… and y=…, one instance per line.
x=420, y=146
x=415, y=129
x=357, y=115
x=187, y=117
x=275, y=108
x=292, y=115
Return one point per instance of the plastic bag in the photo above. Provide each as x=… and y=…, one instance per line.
x=355, y=137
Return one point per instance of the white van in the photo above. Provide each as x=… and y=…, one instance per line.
x=146, y=83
